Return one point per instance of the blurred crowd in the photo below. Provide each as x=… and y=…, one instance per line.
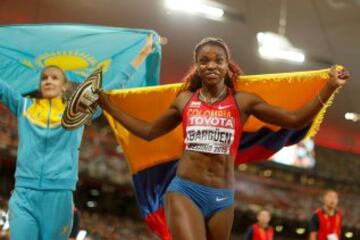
x=8, y=133
x=288, y=200
x=101, y=157
x=107, y=227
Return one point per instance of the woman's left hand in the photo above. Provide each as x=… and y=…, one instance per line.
x=338, y=78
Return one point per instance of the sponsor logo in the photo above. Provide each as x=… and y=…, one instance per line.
x=219, y=199
x=211, y=121
x=223, y=107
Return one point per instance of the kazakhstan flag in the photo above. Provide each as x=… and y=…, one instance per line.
x=79, y=50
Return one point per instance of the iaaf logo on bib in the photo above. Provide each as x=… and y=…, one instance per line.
x=195, y=104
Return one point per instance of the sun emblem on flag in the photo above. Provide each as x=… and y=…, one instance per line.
x=78, y=62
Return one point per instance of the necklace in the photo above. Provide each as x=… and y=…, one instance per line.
x=211, y=100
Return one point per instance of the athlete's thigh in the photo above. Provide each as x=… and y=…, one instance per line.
x=57, y=215
x=219, y=225
x=184, y=218
x=23, y=223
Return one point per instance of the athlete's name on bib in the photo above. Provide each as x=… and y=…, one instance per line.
x=209, y=135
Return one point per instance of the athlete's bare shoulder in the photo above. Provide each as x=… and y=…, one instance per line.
x=243, y=94
x=185, y=94
x=182, y=99
x=245, y=99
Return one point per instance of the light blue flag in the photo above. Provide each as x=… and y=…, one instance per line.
x=78, y=49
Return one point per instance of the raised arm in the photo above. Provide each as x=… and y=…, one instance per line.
x=144, y=52
x=145, y=130
x=131, y=68
x=10, y=98
x=254, y=105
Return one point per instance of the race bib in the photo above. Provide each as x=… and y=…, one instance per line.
x=209, y=139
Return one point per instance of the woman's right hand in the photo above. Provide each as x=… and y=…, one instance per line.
x=147, y=49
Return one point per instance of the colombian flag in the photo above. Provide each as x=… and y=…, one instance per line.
x=153, y=164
